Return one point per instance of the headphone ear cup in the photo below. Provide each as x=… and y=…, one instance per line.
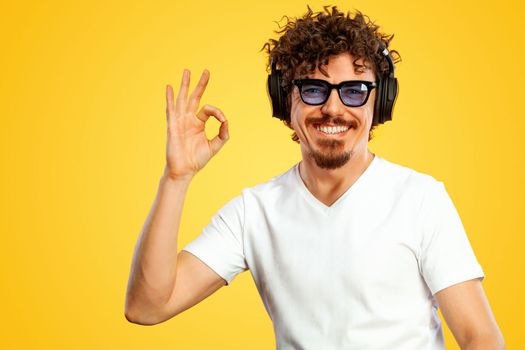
x=391, y=89
x=277, y=95
x=386, y=97
x=378, y=110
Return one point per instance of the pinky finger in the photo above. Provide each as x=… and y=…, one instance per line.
x=169, y=101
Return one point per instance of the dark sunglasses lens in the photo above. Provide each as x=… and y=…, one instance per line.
x=354, y=94
x=314, y=92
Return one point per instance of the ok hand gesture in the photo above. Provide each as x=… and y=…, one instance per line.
x=187, y=148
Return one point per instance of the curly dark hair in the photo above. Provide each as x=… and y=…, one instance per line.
x=308, y=42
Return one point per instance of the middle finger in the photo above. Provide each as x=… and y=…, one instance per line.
x=196, y=95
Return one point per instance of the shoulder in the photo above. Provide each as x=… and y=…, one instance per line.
x=275, y=186
x=407, y=184
x=406, y=177
x=266, y=193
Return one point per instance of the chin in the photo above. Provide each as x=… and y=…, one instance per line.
x=329, y=160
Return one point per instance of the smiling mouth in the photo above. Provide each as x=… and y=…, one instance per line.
x=332, y=130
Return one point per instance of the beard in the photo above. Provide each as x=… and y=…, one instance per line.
x=331, y=157
x=330, y=154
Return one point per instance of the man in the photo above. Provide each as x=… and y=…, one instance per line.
x=347, y=249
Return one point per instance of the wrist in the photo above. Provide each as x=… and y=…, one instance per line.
x=170, y=178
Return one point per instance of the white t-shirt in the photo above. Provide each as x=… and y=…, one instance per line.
x=359, y=274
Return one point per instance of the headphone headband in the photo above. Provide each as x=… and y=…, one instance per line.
x=386, y=53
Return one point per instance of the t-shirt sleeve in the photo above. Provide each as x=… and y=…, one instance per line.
x=220, y=244
x=446, y=256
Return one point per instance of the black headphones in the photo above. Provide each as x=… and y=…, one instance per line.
x=387, y=89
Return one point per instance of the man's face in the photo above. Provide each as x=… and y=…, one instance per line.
x=331, y=151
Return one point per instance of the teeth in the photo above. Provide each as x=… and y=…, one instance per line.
x=332, y=129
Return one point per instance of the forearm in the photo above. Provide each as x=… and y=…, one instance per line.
x=153, y=269
x=495, y=342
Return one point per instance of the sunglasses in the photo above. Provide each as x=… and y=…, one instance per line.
x=353, y=93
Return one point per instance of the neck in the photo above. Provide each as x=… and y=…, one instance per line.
x=329, y=184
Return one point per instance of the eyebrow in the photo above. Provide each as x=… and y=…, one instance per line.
x=329, y=83
x=359, y=69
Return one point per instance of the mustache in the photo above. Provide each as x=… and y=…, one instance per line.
x=335, y=121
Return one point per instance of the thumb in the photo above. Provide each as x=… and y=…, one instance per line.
x=218, y=141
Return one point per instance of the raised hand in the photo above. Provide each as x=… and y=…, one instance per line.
x=187, y=148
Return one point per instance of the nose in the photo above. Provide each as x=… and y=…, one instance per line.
x=334, y=105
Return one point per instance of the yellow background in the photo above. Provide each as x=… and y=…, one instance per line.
x=83, y=146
